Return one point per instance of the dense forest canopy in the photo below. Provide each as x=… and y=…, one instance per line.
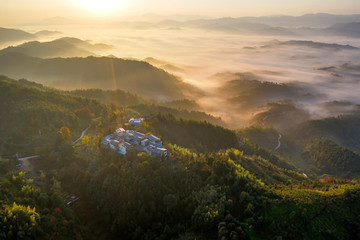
x=214, y=183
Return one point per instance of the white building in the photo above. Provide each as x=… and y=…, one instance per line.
x=114, y=144
x=155, y=141
x=159, y=151
x=120, y=132
x=136, y=121
x=123, y=140
x=124, y=147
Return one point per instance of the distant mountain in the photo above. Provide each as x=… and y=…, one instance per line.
x=150, y=17
x=46, y=33
x=317, y=20
x=229, y=25
x=12, y=35
x=244, y=92
x=335, y=108
x=63, y=47
x=349, y=69
x=280, y=115
x=320, y=24
x=309, y=44
x=237, y=25
x=351, y=66
x=97, y=72
x=344, y=130
x=348, y=29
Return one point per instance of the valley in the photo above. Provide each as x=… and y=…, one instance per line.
x=182, y=128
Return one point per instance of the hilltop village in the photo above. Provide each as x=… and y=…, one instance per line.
x=122, y=141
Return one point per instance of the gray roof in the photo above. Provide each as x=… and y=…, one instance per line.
x=159, y=150
x=153, y=138
x=114, y=142
x=136, y=120
x=139, y=135
x=119, y=130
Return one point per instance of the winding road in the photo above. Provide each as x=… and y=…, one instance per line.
x=279, y=143
x=26, y=165
x=82, y=135
x=27, y=158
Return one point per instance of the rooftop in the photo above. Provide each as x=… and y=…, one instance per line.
x=153, y=138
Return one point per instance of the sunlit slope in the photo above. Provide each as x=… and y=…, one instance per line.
x=63, y=47
x=96, y=72
x=33, y=115
x=8, y=35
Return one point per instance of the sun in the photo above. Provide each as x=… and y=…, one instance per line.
x=101, y=6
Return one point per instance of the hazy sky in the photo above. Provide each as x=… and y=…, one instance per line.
x=18, y=11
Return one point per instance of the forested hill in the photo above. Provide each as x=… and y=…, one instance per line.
x=331, y=158
x=117, y=97
x=153, y=109
x=32, y=115
x=201, y=136
x=216, y=190
x=62, y=47
x=344, y=130
x=148, y=107
x=96, y=72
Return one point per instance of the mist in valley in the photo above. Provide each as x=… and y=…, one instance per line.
x=179, y=119
x=234, y=74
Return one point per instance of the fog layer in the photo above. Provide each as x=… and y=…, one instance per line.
x=235, y=70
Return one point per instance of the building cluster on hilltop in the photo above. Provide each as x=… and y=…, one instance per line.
x=122, y=141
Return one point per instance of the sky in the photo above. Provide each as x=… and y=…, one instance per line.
x=17, y=11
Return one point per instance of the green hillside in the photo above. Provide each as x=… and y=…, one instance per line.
x=117, y=97
x=221, y=190
x=329, y=157
x=153, y=109
x=265, y=137
x=146, y=107
x=201, y=136
x=96, y=72
x=35, y=114
x=187, y=104
x=344, y=130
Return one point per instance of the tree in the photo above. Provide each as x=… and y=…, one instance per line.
x=85, y=140
x=18, y=222
x=65, y=133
